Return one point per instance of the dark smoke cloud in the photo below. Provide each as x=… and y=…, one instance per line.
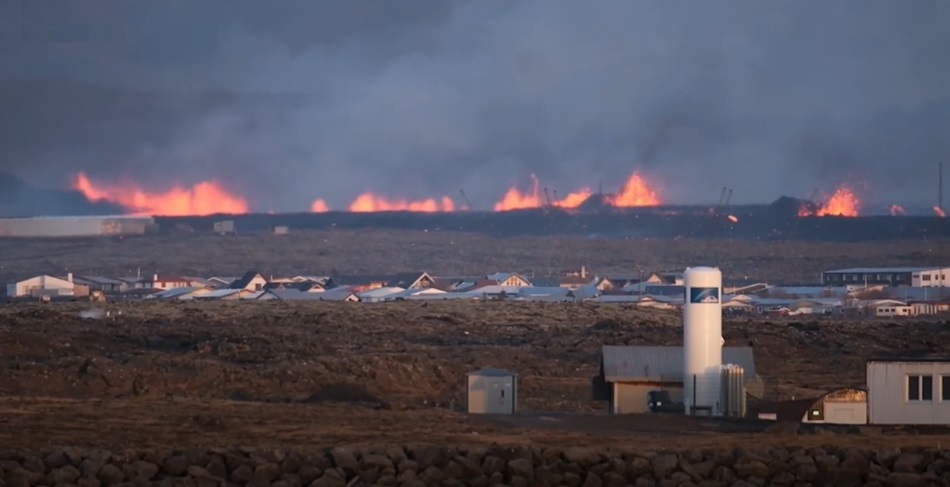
x=291, y=100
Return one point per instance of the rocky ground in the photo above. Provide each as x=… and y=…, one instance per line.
x=324, y=373
x=448, y=254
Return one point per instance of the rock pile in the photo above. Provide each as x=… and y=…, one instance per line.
x=479, y=466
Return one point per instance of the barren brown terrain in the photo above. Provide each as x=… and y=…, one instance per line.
x=312, y=375
x=447, y=254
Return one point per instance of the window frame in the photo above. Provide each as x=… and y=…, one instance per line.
x=916, y=383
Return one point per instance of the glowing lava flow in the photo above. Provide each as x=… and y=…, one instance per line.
x=368, y=202
x=842, y=203
x=205, y=198
x=939, y=212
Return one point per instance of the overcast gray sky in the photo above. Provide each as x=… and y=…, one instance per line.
x=286, y=101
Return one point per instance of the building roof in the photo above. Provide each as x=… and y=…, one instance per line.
x=661, y=364
x=245, y=280
x=99, y=280
x=493, y=372
x=168, y=278
x=407, y=279
x=925, y=358
x=879, y=270
x=294, y=295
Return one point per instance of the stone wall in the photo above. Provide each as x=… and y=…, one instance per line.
x=478, y=466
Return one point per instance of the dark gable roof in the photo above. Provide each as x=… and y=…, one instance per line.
x=406, y=279
x=244, y=280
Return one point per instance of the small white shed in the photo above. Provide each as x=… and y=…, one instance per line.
x=492, y=391
x=909, y=391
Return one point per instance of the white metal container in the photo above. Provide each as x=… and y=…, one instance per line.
x=702, y=341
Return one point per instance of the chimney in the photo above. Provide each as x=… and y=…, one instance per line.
x=154, y=277
x=69, y=277
x=583, y=272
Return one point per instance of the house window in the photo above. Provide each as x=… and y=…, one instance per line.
x=258, y=286
x=925, y=277
x=920, y=388
x=945, y=388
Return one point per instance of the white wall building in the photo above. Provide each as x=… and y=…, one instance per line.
x=909, y=391
x=44, y=285
x=937, y=277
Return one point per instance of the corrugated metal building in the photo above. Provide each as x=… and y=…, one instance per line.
x=75, y=226
x=629, y=373
x=909, y=391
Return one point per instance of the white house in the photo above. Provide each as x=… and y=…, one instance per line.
x=909, y=391
x=44, y=285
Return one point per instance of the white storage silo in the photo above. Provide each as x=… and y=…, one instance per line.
x=702, y=341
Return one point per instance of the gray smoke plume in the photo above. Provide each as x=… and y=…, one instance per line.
x=286, y=101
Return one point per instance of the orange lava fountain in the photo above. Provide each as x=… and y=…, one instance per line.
x=368, y=202
x=204, y=198
x=319, y=206
x=842, y=203
x=636, y=192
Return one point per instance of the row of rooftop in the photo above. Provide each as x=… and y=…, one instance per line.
x=878, y=291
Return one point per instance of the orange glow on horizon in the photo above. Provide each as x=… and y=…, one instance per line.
x=204, y=198
x=897, y=210
x=319, y=206
x=368, y=202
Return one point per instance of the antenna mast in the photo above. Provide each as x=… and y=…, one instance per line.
x=467, y=202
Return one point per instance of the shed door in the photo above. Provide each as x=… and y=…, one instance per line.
x=500, y=399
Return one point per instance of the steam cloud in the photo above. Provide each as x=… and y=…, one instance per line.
x=286, y=101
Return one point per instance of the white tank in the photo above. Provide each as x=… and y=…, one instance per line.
x=702, y=341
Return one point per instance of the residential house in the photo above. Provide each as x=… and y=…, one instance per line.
x=46, y=286
x=567, y=282
x=302, y=286
x=359, y=283
x=134, y=283
x=101, y=283
x=229, y=294
x=182, y=293
x=166, y=282
x=508, y=279
x=667, y=278
x=221, y=282
x=417, y=280
x=250, y=281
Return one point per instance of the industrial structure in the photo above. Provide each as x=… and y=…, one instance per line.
x=702, y=341
x=889, y=276
x=76, y=226
x=492, y=391
x=912, y=391
x=628, y=374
